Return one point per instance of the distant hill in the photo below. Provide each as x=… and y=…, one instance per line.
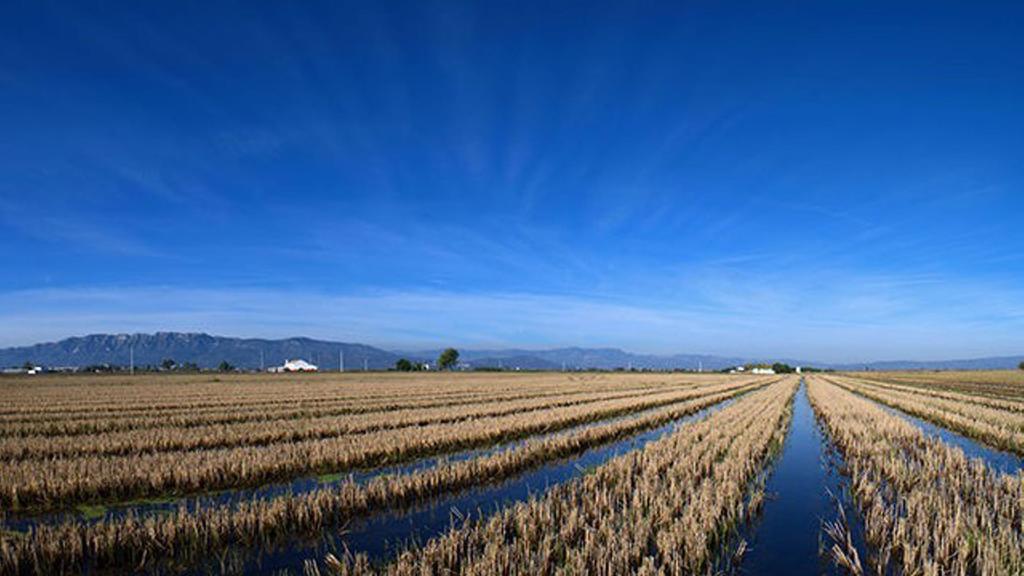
x=202, y=349
x=599, y=358
x=209, y=351
x=512, y=362
x=993, y=363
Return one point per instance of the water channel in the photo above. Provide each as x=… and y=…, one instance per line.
x=801, y=492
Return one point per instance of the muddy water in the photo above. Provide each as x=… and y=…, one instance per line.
x=787, y=538
x=382, y=536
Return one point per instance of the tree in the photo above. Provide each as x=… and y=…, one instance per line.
x=403, y=365
x=28, y=365
x=448, y=359
x=781, y=368
x=1021, y=365
x=167, y=364
x=225, y=367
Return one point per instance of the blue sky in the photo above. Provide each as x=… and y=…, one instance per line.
x=825, y=180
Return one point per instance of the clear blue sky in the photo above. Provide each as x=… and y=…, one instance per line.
x=825, y=180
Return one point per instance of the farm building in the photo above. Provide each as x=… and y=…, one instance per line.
x=297, y=365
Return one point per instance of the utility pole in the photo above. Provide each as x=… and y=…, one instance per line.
x=365, y=365
x=261, y=360
x=341, y=360
x=700, y=366
x=131, y=360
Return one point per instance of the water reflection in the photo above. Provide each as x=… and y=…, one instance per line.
x=787, y=538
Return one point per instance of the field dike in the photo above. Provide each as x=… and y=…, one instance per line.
x=256, y=532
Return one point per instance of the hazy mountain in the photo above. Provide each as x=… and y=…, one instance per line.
x=209, y=351
x=512, y=362
x=611, y=358
x=600, y=358
x=202, y=349
x=993, y=363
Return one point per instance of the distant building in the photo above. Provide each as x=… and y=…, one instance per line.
x=799, y=370
x=33, y=370
x=762, y=371
x=297, y=365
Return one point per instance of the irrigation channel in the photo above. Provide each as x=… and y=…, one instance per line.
x=804, y=488
x=383, y=535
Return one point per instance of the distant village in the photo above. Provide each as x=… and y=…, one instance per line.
x=447, y=363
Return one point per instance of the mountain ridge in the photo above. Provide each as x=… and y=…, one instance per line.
x=250, y=353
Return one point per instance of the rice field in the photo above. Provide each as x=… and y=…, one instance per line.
x=483, y=473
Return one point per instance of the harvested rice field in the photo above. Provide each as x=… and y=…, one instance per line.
x=512, y=473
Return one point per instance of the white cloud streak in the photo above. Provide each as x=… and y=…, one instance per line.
x=426, y=319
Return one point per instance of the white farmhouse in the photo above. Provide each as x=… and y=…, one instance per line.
x=297, y=365
x=762, y=371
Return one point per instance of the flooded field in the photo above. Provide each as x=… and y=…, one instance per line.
x=508, y=473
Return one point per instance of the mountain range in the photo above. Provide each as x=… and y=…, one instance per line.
x=209, y=351
x=202, y=349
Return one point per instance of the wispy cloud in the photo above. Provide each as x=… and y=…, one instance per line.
x=430, y=318
x=76, y=234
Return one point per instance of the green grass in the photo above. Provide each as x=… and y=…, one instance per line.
x=91, y=511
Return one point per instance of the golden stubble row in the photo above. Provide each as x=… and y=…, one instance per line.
x=940, y=393
x=666, y=509
x=244, y=414
x=1005, y=384
x=927, y=508
x=261, y=432
x=1003, y=429
x=283, y=398
x=131, y=541
x=41, y=484
x=86, y=394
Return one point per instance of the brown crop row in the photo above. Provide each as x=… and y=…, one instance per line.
x=1003, y=384
x=1003, y=429
x=666, y=509
x=173, y=437
x=927, y=508
x=39, y=484
x=131, y=541
x=286, y=396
